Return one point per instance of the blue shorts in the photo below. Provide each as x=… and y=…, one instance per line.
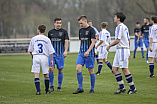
x=146, y=41
x=140, y=44
x=89, y=61
x=58, y=61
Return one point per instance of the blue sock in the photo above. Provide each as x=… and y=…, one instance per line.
x=47, y=84
x=130, y=81
x=92, y=80
x=80, y=80
x=134, y=52
x=60, y=79
x=96, y=56
x=142, y=51
x=151, y=68
x=51, y=76
x=109, y=65
x=120, y=80
x=37, y=84
x=147, y=56
x=100, y=66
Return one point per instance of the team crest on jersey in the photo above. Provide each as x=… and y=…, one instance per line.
x=60, y=33
x=87, y=32
x=51, y=34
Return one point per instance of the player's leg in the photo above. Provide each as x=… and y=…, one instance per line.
x=89, y=61
x=129, y=80
x=92, y=79
x=136, y=45
x=96, y=56
x=47, y=83
x=141, y=45
x=51, y=74
x=60, y=66
x=146, y=42
x=100, y=66
x=108, y=64
x=79, y=64
x=151, y=67
x=37, y=83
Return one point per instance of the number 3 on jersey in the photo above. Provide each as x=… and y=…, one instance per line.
x=40, y=48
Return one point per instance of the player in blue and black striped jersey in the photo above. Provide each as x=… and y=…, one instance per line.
x=138, y=39
x=86, y=54
x=145, y=35
x=59, y=39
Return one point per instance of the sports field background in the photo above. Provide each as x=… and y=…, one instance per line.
x=17, y=83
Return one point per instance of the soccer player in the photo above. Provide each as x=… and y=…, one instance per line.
x=152, y=45
x=97, y=35
x=138, y=39
x=40, y=48
x=145, y=35
x=105, y=40
x=59, y=39
x=86, y=54
x=122, y=40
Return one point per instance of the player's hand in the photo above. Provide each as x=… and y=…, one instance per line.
x=137, y=41
x=32, y=56
x=86, y=54
x=65, y=54
x=129, y=57
x=141, y=37
x=108, y=48
x=96, y=47
x=51, y=62
x=150, y=49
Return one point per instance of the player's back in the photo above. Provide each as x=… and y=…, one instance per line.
x=105, y=36
x=40, y=45
x=153, y=33
x=122, y=33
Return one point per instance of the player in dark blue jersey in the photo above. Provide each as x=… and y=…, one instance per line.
x=59, y=39
x=145, y=35
x=86, y=54
x=138, y=39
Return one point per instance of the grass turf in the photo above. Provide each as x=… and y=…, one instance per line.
x=17, y=83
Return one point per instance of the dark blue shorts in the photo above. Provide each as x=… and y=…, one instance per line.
x=58, y=61
x=89, y=61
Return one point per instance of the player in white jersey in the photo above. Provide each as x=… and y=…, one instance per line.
x=40, y=48
x=152, y=54
x=96, y=40
x=122, y=55
x=105, y=40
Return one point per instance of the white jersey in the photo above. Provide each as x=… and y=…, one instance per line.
x=153, y=33
x=105, y=37
x=122, y=33
x=41, y=45
x=96, y=31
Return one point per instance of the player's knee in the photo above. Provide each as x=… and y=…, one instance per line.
x=78, y=69
x=51, y=69
x=60, y=70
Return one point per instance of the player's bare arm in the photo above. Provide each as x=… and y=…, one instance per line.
x=51, y=56
x=90, y=48
x=113, y=44
x=101, y=41
x=96, y=38
x=31, y=54
x=66, y=48
x=150, y=43
x=137, y=36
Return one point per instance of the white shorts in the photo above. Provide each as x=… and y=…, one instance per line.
x=102, y=52
x=154, y=51
x=40, y=61
x=121, y=58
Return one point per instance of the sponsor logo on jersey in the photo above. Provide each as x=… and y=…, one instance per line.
x=87, y=32
x=60, y=33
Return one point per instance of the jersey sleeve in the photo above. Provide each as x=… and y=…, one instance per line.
x=151, y=32
x=142, y=29
x=102, y=37
x=119, y=32
x=66, y=35
x=92, y=33
x=51, y=49
x=96, y=31
x=30, y=49
x=135, y=30
x=49, y=35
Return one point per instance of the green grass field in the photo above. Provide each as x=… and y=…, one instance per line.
x=17, y=83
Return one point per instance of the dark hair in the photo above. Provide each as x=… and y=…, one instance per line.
x=137, y=22
x=121, y=16
x=154, y=18
x=147, y=18
x=89, y=20
x=57, y=19
x=42, y=28
x=83, y=17
x=104, y=24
